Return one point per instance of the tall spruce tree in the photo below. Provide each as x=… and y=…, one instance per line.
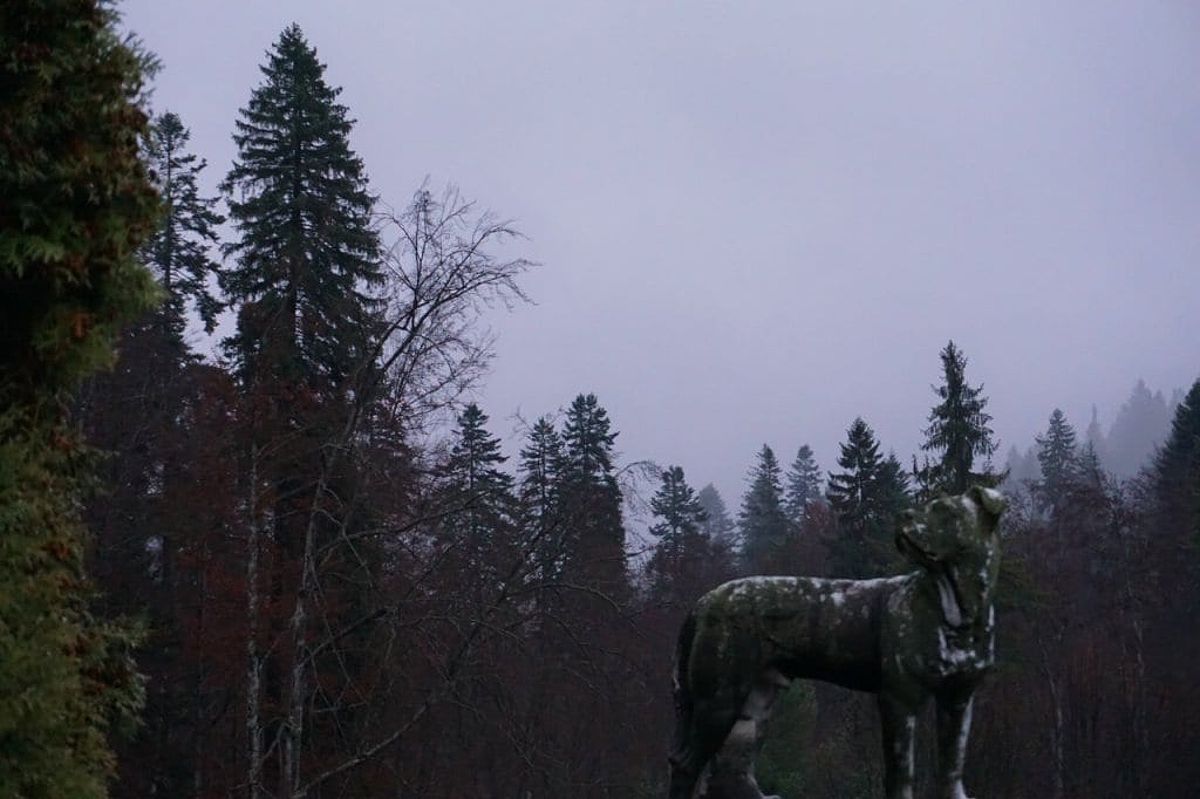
x=677, y=509
x=866, y=496
x=682, y=545
x=717, y=525
x=76, y=205
x=540, y=466
x=762, y=521
x=478, y=494
x=540, y=469
x=1142, y=423
x=1059, y=462
x=1176, y=469
x=306, y=265
x=1091, y=474
x=306, y=257
x=892, y=497
x=179, y=250
x=803, y=486
x=145, y=523
x=590, y=496
x=958, y=432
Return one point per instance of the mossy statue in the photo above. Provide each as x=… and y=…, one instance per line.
x=907, y=638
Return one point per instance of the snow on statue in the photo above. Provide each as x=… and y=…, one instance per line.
x=926, y=634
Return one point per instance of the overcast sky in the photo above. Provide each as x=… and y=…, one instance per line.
x=759, y=220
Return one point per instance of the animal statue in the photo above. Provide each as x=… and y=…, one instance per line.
x=929, y=633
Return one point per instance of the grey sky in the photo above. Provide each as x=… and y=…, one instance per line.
x=758, y=220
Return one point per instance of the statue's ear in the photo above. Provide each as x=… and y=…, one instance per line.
x=989, y=499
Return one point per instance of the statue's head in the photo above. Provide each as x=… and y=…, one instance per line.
x=956, y=540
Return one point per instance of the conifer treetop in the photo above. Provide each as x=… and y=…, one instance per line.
x=676, y=506
x=179, y=250
x=959, y=428
x=803, y=484
x=307, y=256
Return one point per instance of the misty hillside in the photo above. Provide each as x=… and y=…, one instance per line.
x=1128, y=445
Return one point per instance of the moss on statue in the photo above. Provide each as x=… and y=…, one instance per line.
x=925, y=634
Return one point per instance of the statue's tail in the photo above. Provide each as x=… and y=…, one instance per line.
x=680, y=753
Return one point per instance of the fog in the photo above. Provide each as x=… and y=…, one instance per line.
x=756, y=221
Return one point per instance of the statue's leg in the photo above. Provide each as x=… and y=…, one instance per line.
x=899, y=726
x=705, y=728
x=953, y=729
x=732, y=771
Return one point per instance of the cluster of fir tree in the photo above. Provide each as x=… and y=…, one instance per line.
x=564, y=506
x=869, y=491
x=303, y=279
x=1125, y=450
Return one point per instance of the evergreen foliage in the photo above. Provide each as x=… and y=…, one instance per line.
x=478, y=490
x=762, y=521
x=540, y=472
x=803, y=485
x=591, y=498
x=1090, y=470
x=717, y=525
x=1143, y=423
x=1058, y=460
x=867, y=496
x=682, y=544
x=307, y=257
x=893, y=496
x=850, y=491
x=1176, y=469
x=178, y=251
x=958, y=432
x=679, y=512
x=76, y=204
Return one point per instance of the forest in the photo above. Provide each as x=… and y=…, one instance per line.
x=305, y=565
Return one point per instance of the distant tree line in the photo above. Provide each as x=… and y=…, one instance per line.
x=337, y=597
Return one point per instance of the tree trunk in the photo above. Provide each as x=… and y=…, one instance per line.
x=1057, y=729
x=253, y=663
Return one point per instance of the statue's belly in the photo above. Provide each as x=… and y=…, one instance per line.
x=810, y=628
x=838, y=648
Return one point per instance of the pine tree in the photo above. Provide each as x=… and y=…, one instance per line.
x=178, y=251
x=717, y=524
x=540, y=472
x=306, y=265
x=590, y=496
x=850, y=491
x=682, y=544
x=307, y=257
x=1059, y=462
x=1176, y=469
x=803, y=486
x=763, y=524
x=867, y=496
x=77, y=205
x=677, y=508
x=892, y=498
x=1143, y=423
x=1091, y=472
x=479, y=493
x=958, y=431
x=541, y=464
